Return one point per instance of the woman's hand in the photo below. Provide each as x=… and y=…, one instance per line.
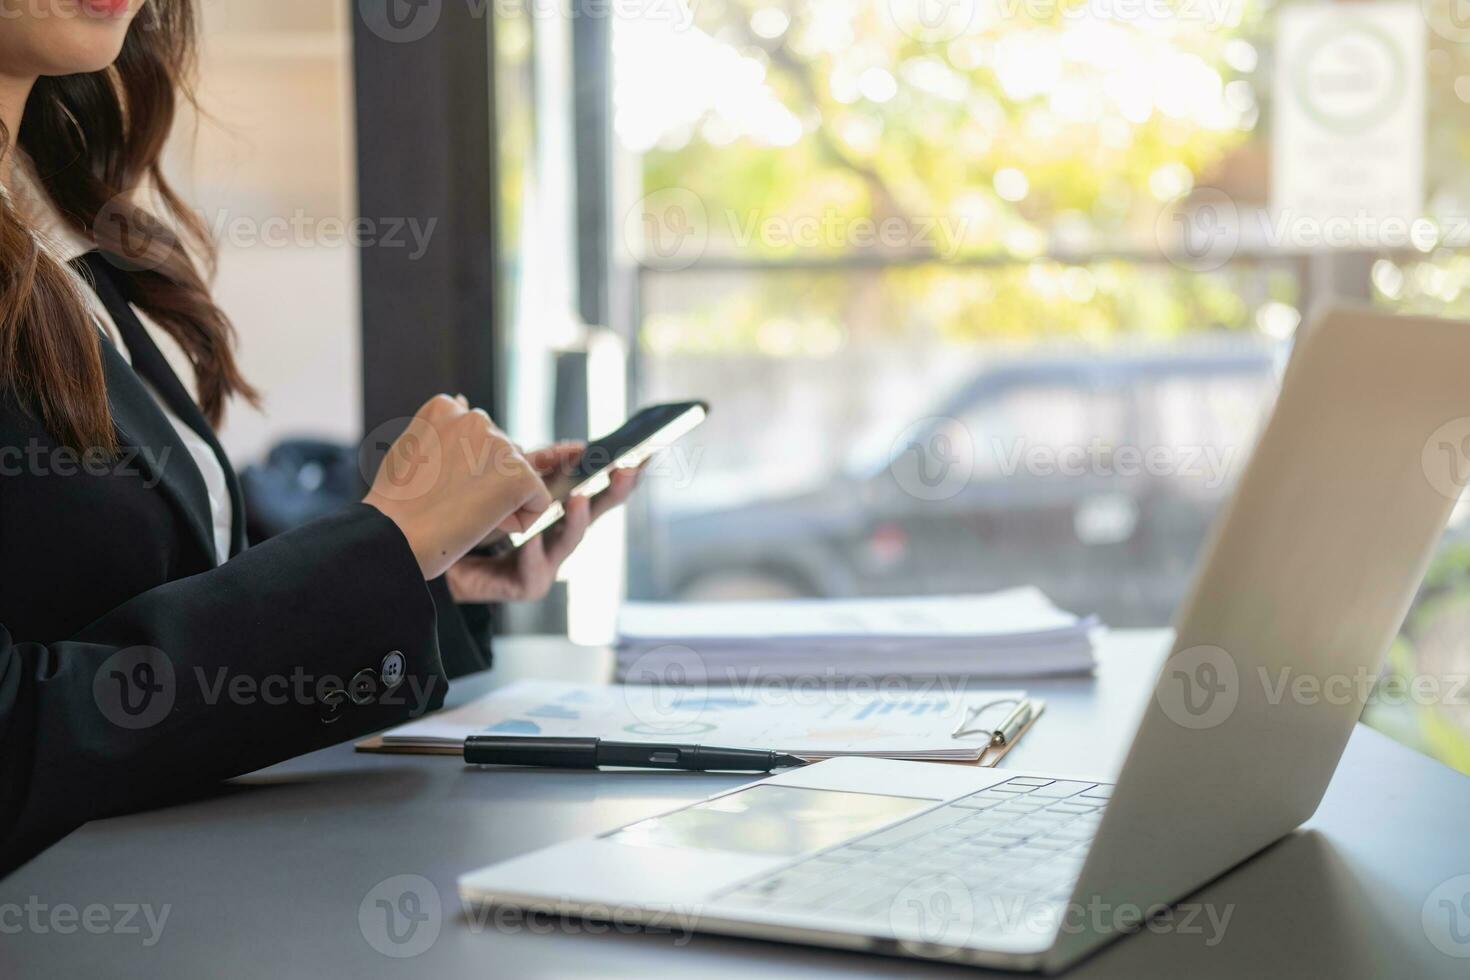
x=527, y=573
x=451, y=479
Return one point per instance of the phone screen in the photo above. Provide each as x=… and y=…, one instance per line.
x=640, y=438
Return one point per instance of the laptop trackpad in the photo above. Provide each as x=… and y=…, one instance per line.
x=779, y=821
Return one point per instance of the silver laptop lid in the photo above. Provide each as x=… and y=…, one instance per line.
x=1308, y=576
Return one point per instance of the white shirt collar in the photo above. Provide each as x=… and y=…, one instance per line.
x=30, y=199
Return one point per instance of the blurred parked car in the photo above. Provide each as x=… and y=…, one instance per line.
x=1094, y=477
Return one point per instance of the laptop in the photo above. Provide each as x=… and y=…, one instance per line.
x=1310, y=571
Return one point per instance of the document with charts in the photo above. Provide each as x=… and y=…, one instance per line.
x=915, y=721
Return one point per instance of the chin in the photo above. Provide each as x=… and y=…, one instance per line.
x=77, y=44
x=90, y=60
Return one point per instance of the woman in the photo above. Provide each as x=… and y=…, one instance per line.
x=143, y=648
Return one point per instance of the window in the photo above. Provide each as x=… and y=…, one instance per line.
x=839, y=219
x=1008, y=431
x=850, y=222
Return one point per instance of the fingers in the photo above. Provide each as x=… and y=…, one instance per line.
x=561, y=457
x=472, y=579
x=451, y=478
x=529, y=499
x=570, y=532
x=518, y=491
x=534, y=570
x=444, y=407
x=439, y=408
x=624, y=482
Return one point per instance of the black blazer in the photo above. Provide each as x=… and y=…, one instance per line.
x=132, y=668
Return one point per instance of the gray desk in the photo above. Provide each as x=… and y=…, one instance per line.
x=265, y=877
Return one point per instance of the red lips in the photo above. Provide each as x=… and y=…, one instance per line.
x=108, y=8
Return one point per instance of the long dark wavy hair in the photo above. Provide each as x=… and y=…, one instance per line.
x=96, y=140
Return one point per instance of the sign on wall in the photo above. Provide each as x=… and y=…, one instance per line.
x=1348, y=139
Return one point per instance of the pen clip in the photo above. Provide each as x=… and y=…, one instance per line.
x=972, y=715
x=1014, y=723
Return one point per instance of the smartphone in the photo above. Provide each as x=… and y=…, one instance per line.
x=641, y=437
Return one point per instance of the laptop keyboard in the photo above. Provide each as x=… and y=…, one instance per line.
x=1022, y=841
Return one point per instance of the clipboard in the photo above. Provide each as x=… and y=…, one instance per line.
x=989, y=759
x=981, y=732
x=992, y=755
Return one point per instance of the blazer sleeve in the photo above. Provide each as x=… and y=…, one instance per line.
x=291, y=646
x=464, y=633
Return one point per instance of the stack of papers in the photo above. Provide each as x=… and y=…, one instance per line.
x=1005, y=634
x=917, y=723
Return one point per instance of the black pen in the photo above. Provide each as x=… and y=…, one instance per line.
x=592, y=753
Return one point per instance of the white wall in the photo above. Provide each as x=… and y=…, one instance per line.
x=297, y=314
x=274, y=150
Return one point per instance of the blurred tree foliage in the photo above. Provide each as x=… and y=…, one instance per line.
x=1040, y=147
x=1043, y=131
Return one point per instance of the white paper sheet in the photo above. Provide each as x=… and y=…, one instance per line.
x=913, y=721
